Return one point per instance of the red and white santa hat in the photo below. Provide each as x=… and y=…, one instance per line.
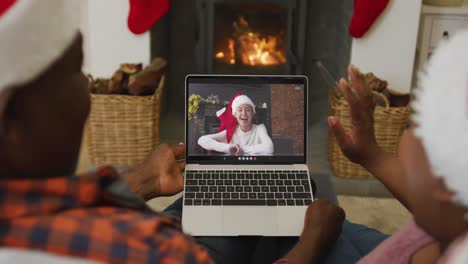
x=240, y=100
x=441, y=114
x=34, y=34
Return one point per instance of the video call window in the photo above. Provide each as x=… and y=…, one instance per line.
x=245, y=120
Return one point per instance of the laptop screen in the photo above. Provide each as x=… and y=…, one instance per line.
x=246, y=119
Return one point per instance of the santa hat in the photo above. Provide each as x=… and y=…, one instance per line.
x=240, y=100
x=457, y=253
x=226, y=116
x=34, y=34
x=441, y=114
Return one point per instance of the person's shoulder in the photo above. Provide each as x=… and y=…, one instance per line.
x=261, y=127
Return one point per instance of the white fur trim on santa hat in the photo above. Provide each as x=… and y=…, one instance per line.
x=35, y=33
x=441, y=114
x=240, y=100
x=457, y=253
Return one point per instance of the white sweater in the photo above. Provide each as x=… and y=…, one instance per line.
x=254, y=142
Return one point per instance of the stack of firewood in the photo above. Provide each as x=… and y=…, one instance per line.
x=394, y=98
x=131, y=79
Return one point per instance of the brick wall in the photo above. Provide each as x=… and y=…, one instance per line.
x=287, y=114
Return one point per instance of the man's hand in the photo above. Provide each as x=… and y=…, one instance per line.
x=322, y=226
x=358, y=144
x=160, y=174
x=322, y=222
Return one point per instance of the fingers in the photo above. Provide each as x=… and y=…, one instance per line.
x=339, y=132
x=180, y=182
x=178, y=150
x=173, y=180
x=181, y=165
x=359, y=83
x=351, y=98
x=360, y=87
x=309, y=212
x=233, y=149
x=323, y=208
x=238, y=149
x=354, y=101
x=315, y=205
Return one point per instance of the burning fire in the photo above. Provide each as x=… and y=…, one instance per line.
x=251, y=47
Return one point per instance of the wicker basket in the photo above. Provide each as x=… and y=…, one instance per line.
x=122, y=129
x=390, y=123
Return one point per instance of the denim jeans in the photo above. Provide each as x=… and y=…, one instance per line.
x=355, y=242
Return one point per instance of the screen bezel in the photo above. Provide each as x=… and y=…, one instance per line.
x=220, y=159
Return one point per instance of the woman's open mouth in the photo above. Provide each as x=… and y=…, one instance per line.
x=244, y=118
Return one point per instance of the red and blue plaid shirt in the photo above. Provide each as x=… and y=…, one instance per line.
x=79, y=216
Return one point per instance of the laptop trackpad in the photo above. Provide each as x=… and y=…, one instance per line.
x=248, y=221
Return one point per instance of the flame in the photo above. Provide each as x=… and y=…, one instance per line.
x=253, y=48
x=231, y=51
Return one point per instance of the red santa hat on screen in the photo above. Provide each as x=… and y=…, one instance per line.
x=34, y=33
x=441, y=114
x=227, y=116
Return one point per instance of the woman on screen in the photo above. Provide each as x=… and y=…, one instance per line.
x=238, y=136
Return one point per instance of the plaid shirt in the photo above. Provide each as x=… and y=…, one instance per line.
x=81, y=216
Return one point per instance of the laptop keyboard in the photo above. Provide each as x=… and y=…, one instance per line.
x=247, y=187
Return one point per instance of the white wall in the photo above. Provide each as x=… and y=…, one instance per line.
x=107, y=40
x=389, y=48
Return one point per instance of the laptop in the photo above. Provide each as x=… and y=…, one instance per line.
x=246, y=153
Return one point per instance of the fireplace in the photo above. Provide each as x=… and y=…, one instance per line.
x=250, y=37
x=193, y=33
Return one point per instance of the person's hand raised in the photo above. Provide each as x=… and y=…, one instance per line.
x=358, y=144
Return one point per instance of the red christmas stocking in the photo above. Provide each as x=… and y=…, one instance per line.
x=5, y=5
x=144, y=13
x=365, y=14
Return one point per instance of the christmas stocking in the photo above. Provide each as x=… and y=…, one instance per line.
x=144, y=13
x=365, y=14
